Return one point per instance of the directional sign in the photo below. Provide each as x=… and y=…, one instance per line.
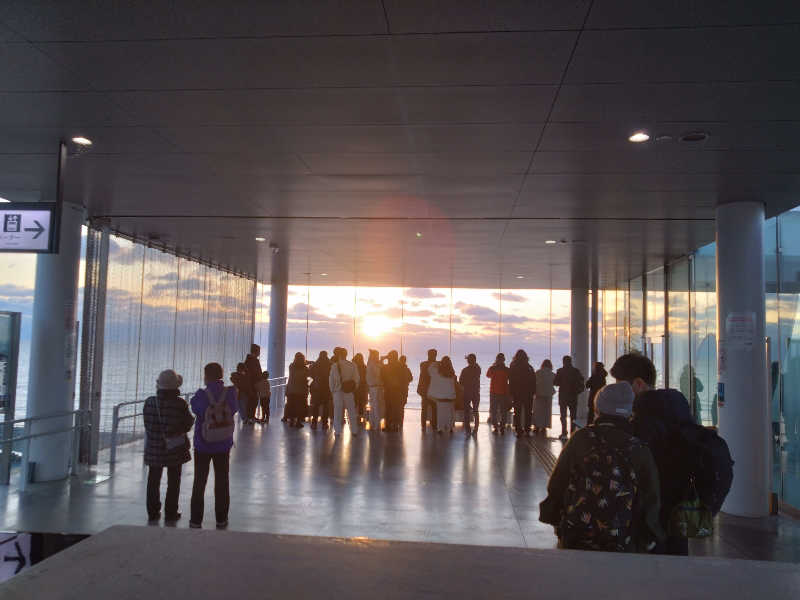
x=15, y=554
x=27, y=227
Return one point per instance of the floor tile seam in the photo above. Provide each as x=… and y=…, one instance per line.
x=510, y=500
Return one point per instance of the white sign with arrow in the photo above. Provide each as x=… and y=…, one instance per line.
x=26, y=228
x=15, y=554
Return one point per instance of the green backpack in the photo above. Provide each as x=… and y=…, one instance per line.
x=691, y=518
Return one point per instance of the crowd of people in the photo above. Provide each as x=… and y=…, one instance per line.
x=642, y=476
x=382, y=387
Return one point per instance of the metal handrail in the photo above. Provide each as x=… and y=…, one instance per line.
x=79, y=422
x=115, y=419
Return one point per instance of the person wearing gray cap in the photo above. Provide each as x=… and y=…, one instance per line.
x=604, y=491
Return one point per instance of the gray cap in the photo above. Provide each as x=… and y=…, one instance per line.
x=615, y=400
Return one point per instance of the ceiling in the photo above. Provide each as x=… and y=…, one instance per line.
x=340, y=130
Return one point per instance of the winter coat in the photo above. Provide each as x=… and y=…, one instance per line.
x=570, y=383
x=200, y=402
x=544, y=383
x=374, y=374
x=470, y=380
x=424, y=377
x=499, y=376
x=298, y=380
x=658, y=416
x=254, y=373
x=522, y=380
x=441, y=387
x=617, y=432
x=174, y=419
x=320, y=371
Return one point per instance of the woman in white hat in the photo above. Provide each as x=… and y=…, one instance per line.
x=166, y=421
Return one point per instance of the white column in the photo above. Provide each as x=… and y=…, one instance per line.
x=579, y=341
x=743, y=408
x=51, y=384
x=278, y=308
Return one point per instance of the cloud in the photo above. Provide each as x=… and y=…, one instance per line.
x=509, y=297
x=422, y=293
x=10, y=290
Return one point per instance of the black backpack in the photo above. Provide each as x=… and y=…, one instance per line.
x=709, y=462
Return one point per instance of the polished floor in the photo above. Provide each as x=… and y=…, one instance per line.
x=405, y=486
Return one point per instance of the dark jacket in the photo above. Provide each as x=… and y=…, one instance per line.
x=254, y=373
x=394, y=378
x=424, y=378
x=175, y=419
x=617, y=432
x=569, y=382
x=596, y=382
x=408, y=377
x=320, y=372
x=658, y=416
x=521, y=380
x=298, y=380
x=470, y=380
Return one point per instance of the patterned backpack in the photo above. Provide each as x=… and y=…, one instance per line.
x=599, y=499
x=218, y=419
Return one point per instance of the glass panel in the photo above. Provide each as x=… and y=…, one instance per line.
x=636, y=312
x=788, y=433
x=704, y=335
x=262, y=321
x=680, y=370
x=655, y=322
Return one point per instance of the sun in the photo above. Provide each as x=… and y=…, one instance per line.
x=375, y=326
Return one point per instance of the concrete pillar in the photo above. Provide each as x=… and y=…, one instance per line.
x=595, y=328
x=579, y=342
x=743, y=399
x=278, y=308
x=51, y=383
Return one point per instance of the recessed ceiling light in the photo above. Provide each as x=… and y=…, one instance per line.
x=4, y=200
x=324, y=274
x=520, y=276
x=82, y=141
x=261, y=239
x=419, y=234
x=638, y=137
x=550, y=242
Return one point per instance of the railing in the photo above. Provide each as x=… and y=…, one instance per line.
x=81, y=419
x=277, y=389
x=115, y=419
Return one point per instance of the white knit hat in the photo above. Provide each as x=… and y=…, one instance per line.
x=169, y=380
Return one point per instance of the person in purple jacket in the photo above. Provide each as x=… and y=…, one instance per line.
x=213, y=439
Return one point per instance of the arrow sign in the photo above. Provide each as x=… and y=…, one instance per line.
x=28, y=227
x=38, y=229
x=19, y=558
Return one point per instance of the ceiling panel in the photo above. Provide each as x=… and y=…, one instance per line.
x=625, y=102
x=461, y=162
x=690, y=13
x=77, y=20
x=686, y=55
x=415, y=16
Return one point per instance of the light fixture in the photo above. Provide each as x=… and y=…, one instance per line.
x=419, y=234
x=637, y=137
x=550, y=242
x=520, y=276
x=4, y=200
x=82, y=141
x=261, y=239
x=323, y=274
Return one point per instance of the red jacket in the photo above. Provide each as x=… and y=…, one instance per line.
x=499, y=377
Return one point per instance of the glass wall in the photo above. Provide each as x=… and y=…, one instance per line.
x=654, y=326
x=165, y=312
x=455, y=321
x=636, y=314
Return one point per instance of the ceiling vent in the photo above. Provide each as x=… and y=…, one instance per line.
x=693, y=137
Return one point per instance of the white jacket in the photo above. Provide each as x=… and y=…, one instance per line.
x=441, y=388
x=544, y=383
x=348, y=371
